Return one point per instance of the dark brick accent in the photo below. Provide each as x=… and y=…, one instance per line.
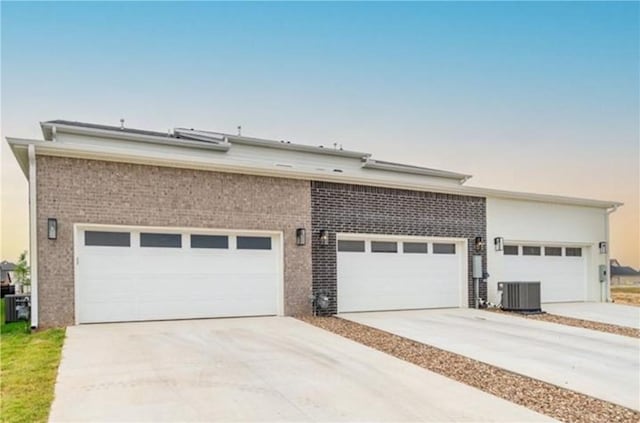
x=342, y=208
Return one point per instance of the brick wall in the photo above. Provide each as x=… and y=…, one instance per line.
x=90, y=191
x=341, y=208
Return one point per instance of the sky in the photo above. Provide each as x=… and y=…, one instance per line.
x=538, y=97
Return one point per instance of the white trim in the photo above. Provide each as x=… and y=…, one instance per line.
x=132, y=136
x=33, y=236
x=538, y=243
x=416, y=170
x=463, y=243
x=77, y=227
x=605, y=295
x=156, y=156
x=76, y=285
x=384, y=237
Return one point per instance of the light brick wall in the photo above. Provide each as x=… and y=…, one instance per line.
x=90, y=191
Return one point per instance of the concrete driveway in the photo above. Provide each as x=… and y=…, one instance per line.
x=598, y=364
x=614, y=314
x=252, y=369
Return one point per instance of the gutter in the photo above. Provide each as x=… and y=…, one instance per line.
x=369, y=163
x=33, y=235
x=605, y=294
x=130, y=136
x=258, y=142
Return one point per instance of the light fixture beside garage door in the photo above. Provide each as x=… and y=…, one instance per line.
x=479, y=244
x=498, y=242
x=603, y=247
x=52, y=228
x=324, y=237
x=301, y=236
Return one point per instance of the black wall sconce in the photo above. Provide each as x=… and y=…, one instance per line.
x=478, y=243
x=52, y=228
x=324, y=237
x=498, y=242
x=301, y=236
x=603, y=247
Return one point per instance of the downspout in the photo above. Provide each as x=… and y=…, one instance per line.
x=605, y=295
x=33, y=236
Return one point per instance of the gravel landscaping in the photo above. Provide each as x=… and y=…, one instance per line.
x=556, y=402
x=570, y=321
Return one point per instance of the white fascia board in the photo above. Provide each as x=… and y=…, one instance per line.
x=155, y=156
x=20, y=151
x=130, y=136
x=234, y=139
x=546, y=198
x=415, y=170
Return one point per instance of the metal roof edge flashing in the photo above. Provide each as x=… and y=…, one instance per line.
x=123, y=134
x=370, y=163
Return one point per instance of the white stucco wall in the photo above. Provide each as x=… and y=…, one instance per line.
x=537, y=223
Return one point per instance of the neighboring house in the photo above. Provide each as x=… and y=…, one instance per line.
x=6, y=272
x=139, y=225
x=624, y=275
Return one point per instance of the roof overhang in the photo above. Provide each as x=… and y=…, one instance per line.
x=51, y=129
x=20, y=149
x=164, y=158
x=369, y=163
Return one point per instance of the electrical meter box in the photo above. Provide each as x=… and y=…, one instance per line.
x=477, y=271
x=602, y=271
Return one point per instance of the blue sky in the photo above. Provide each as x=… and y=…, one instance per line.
x=529, y=96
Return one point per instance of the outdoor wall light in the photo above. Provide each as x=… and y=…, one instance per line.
x=603, y=247
x=479, y=243
x=324, y=237
x=52, y=228
x=498, y=242
x=301, y=236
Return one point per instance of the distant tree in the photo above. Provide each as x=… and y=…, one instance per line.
x=22, y=270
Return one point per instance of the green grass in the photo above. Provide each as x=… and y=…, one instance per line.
x=626, y=289
x=28, y=367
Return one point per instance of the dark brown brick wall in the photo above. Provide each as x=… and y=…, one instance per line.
x=91, y=191
x=342, y=208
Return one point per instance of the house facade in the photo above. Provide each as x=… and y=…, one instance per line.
x=6, y=272
x=623, y=275
x=130, y=225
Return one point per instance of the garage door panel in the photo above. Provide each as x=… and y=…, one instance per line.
x=562, y=278
x=155, y=283
x=369, y=281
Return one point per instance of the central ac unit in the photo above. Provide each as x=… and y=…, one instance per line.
x=520, y=296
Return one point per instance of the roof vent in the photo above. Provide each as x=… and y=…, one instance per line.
x=121, y=123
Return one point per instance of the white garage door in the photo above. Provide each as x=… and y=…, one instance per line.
x=396, y=274
x=125, y=274
x=561, y=270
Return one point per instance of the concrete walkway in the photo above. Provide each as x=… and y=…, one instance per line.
x=598, y=364
x=613, y=314
x=252, y=369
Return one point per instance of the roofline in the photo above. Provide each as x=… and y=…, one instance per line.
x=49, y=129
x=415, y=170
x=96, y=153
x=19, y=147
x=546, y=198
x=193, y=138
x=259, y=142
